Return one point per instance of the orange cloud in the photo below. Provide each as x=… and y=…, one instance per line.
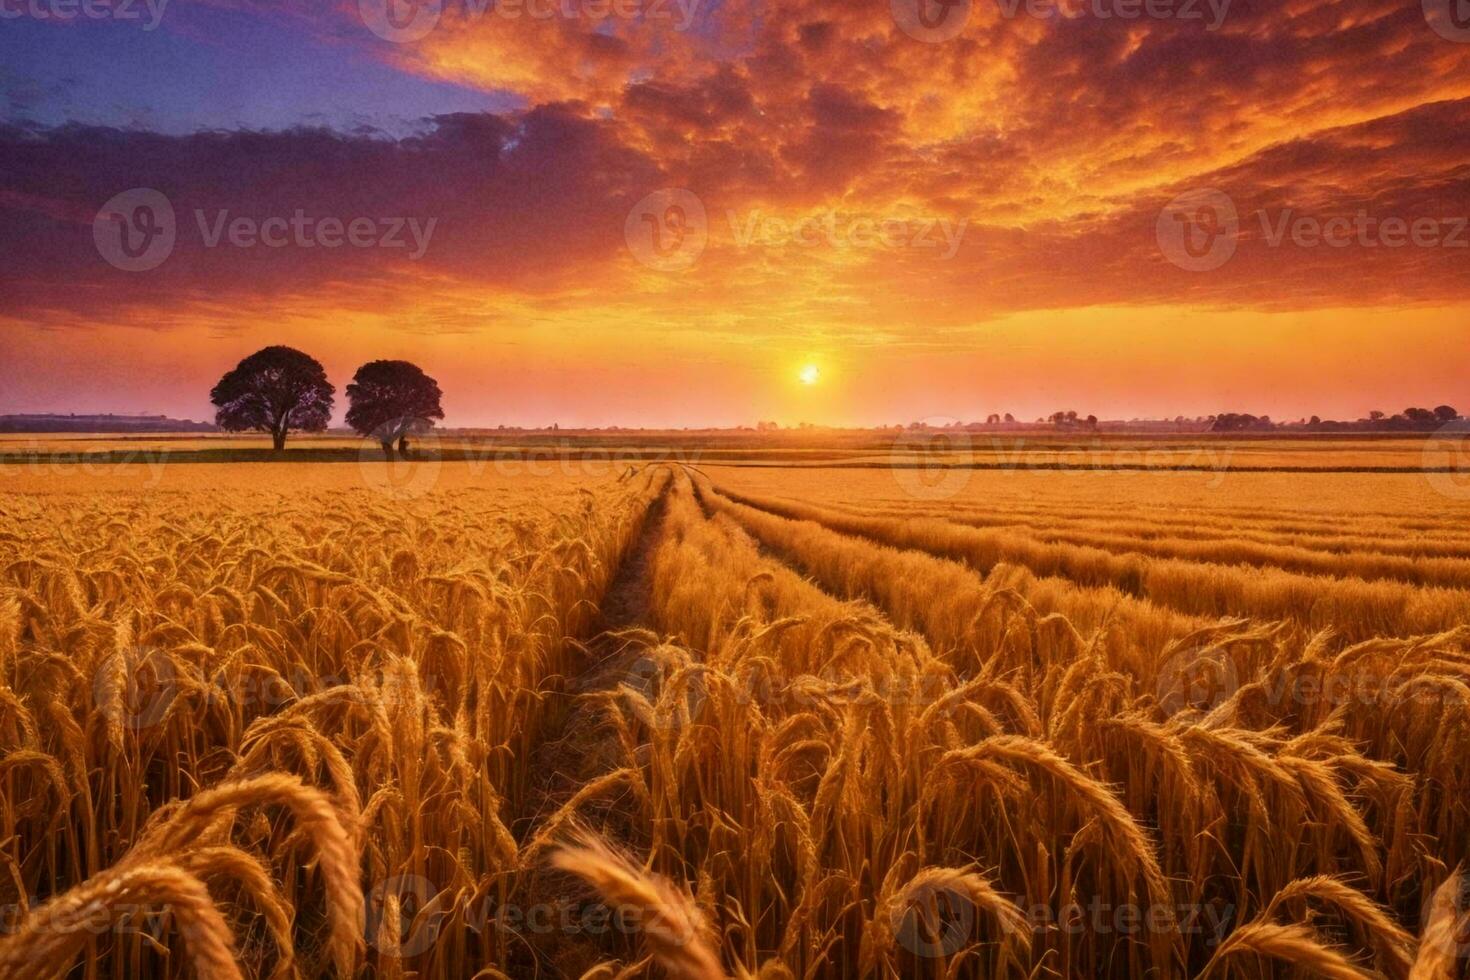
x=865, y=194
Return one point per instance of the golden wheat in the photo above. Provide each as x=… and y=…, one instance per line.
x=846, y=733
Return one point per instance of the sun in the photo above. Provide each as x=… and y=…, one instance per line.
x=810, y=375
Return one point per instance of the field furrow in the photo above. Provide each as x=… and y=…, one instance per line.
x=1120, y=538
x=963, y=613
x=1355, y=608
x=1328, y=538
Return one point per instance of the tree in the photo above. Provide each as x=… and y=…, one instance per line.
x=1377, y=416
x=391, y=400
x=1233, y=422
x=274, y=390
x=1445, y=413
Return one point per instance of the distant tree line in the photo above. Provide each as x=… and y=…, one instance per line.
x=281, y=390
x=47, y=422
x=1409, y=420
x=1069, y=420
x=1233, y=422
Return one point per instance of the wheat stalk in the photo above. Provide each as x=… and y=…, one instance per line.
x=52, y=935
x=672, y=925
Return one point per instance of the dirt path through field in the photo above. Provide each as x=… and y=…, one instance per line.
x=580, y=748
x=626, y=602
x=577, y=750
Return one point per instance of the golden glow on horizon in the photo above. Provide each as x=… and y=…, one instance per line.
x=632, y=370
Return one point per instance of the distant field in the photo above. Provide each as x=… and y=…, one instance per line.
x=932, y=449
x=908, y=712
x=1245, y=499
x=264, y=484
x=1316, y=548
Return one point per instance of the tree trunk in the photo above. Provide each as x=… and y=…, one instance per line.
x=403, y=446
x=388, y=449
x=278, y=440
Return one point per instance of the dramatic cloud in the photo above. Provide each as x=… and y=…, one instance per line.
x=853, y=184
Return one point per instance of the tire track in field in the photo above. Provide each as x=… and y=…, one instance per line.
x=938, y=596
x=1452, y=572
x=578, y=750
x=789, y=563
x=575, y=752
x=810, y=572
x=1322, y=537
x=1357, y=609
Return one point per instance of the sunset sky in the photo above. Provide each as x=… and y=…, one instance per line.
x=948, y=211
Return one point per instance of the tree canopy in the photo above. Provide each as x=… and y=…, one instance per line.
x=274, y=390
x=390, y=400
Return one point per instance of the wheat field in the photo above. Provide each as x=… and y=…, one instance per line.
x=721, y=721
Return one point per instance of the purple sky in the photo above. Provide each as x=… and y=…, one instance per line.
x=205, y=67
